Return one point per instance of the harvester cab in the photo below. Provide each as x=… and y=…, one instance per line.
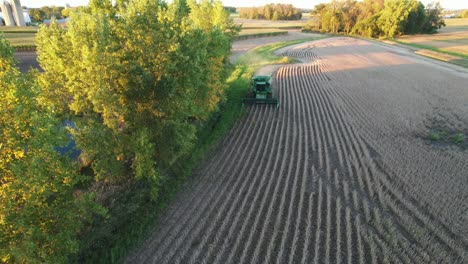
x=261, y=91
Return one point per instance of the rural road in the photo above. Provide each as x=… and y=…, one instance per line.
x=342, y=172
x=26, y=60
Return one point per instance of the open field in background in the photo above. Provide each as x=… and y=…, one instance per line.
x=20, y=36
x=450, y=44
x=278, y=24
x=260, y=32
x=19, y=29
x=455, y=24
x=20, y=39
x=257, y=31
x=343, y=172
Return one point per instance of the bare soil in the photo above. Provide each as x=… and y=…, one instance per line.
x=338, y=174
x=450, y=41
x=241, y=46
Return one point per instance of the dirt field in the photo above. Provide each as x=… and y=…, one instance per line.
x=452, y=38
x=263, y=24
x=241, y=46
x=342, y=172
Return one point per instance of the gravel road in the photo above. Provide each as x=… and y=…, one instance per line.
x=27, y=60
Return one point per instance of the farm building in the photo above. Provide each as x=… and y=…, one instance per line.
x=27, y=18
x=12, y=14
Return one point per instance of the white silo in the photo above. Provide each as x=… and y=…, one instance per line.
x=18, y=13
x=7, y=14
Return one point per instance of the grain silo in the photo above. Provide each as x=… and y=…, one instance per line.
x=7, y=14
x=18, y=13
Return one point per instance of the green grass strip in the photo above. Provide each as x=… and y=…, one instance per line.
x=265, y=55
x=18, y=31
x=420, y=46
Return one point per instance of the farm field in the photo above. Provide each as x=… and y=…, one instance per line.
x=453, y=38
x=240, y=47
x=254, y=31
x=20, y=36
x=345, y=171
x=278, y=24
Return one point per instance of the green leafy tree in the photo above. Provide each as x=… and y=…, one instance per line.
x=272, y=12
x=66, y=12
x=318, y=9
x=133, y=85
x=41, y=210
x=332, y=17
x=393, y=17
x=416, y=20
x=434, y=20
x=368, y=27
x=377, y=18
x=350, y=12
x=52, y=11
x=37, y=14
x=464, y=14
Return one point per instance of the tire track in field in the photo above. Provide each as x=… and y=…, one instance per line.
x=393, y=193
x=301, y=184
x=197, y=200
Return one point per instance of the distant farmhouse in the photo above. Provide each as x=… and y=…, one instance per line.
x=13, y=15
x=452, y=15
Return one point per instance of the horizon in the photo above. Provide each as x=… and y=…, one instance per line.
x=306, y=4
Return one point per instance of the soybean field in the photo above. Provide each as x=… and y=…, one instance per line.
x=365, y=161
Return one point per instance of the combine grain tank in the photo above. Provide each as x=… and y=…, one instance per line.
x=261, y=91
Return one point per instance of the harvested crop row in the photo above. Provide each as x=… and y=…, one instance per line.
x=317, y=180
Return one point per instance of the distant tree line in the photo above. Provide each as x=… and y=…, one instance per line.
x=271, y=12
x=464, y=14
x=47, y=12
x=230, y=9
x=376, y=18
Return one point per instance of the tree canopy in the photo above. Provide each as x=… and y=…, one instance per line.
x=137, y=80
x=368, y=18
x=41, y=210
x=271, y=12
x=129, y=81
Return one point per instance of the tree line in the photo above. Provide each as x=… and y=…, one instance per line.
x=271, y=12
x=129, y=82
x=48, y=12
x=376, y=18
x=464, y=14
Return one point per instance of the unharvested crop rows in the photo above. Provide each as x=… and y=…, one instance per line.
x=300, y=184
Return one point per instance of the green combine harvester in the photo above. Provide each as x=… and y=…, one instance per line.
x=261, y=91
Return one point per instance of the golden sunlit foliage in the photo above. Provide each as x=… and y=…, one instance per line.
x=130, y=82
x=132, y=76
x=39, y=216
x=376, y=18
